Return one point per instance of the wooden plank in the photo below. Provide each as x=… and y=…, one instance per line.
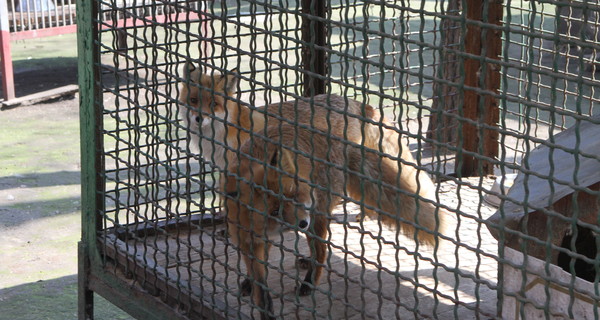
x=41, y=97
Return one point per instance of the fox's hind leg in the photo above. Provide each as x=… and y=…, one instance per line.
x=255, y=259
x=318, y=249
x=246, y=287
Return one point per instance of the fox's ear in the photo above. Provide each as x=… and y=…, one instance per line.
x=189, y=70
x=284, y=157
x=230, y=81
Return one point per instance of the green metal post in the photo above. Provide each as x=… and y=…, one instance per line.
x=91, y=144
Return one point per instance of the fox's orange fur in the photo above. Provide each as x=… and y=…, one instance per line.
x=296, y=176
x=306, y=156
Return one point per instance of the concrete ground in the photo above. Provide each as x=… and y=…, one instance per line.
x=40, y=190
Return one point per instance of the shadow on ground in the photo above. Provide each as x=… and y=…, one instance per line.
x=30, y=78
x=51, y=299
x=46, y=179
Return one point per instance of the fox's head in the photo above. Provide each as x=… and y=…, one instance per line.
x=263, y=199
x=205, y=93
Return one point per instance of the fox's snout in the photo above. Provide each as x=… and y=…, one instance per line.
x=304, y=223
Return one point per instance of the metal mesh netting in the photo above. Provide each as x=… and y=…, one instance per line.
x=206, y=196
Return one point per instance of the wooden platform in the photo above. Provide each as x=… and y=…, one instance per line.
x=371, y=272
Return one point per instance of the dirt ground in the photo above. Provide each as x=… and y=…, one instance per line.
x=40, y=202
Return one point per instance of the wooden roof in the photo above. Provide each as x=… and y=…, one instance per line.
x=566, y=161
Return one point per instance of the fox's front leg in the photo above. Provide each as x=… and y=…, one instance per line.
x=255, y=258
x=318, y=251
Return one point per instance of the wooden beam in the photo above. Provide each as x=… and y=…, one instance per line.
x=314, y=57
x=6, y=66
x=481, y=107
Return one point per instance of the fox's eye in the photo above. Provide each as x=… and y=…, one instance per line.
x=194, y=100
x=275, y=213
x=232, y=194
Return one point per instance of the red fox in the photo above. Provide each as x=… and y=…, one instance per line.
x=216, y=123
x=293, y=175
x=329, y=141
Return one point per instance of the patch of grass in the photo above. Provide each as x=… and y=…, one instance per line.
x=35, y=53
x=56, y=141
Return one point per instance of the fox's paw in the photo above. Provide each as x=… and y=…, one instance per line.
x=304, y=290
x=303, y=263
x=246, y=288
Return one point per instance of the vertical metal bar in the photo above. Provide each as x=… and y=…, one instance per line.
x=21, y=20
x=314, y=35
x=92, y=183
x=70, y=2
x=43, y=14
x=6, y=66
x=33, y=3
x=53, y=19
x=481, y=108
x=26, y=16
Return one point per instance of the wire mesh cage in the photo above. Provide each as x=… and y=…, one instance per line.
x=336, y=159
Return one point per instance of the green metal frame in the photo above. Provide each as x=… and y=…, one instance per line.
x=92, y=275
x=88, y=252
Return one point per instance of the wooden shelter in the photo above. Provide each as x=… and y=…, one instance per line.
x=555, y=195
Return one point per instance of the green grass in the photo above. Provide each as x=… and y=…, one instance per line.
x=58, y=142
x=36, y=53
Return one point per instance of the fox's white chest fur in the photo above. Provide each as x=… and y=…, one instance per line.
x=208, y=138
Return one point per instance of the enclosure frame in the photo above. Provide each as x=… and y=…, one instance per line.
x=92, y=276
x=477, y=151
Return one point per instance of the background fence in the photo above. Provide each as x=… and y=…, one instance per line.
x=28, y=19
x=474, y=88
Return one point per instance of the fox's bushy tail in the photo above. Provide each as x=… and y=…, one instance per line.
x=385, y=179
